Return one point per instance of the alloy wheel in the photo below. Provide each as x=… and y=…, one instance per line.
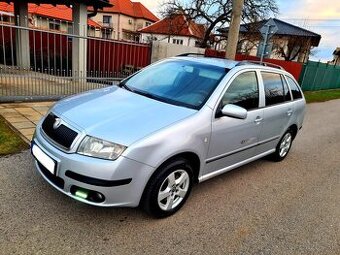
x=173, y=190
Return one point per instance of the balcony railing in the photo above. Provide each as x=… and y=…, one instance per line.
x=106, y=24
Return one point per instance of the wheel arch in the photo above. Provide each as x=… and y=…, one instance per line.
x=294, y=129
x=192, y=157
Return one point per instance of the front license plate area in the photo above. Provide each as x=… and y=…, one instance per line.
x=44, y=159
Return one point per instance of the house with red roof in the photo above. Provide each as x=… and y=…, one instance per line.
x=47, y=17
x=176, y=29
x=124, y=19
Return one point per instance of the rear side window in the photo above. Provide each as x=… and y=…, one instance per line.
x=243, y=91
x=296, y=92
x=286, y=90
x=273, y=87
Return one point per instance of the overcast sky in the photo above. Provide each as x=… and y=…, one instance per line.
x=322, y=17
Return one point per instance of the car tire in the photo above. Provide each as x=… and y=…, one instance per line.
x=168, y=189
x=283, y=147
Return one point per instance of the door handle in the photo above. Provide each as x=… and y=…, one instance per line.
x=258, y=120
x=289, y=112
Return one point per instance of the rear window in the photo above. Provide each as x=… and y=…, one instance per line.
x=273, y=88
x=296, y=92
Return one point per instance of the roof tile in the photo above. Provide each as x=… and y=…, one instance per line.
x=176, y=25
x=132, y=9
x=60, y=12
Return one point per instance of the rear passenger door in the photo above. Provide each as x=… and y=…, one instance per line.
x=277, y=112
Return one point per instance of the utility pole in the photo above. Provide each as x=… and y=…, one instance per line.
x=234, y=29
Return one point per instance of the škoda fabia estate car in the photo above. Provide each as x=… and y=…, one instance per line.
x=177, y=122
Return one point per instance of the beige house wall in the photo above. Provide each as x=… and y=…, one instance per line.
x=65, y=26
x=161, y=50
x=187, y=41
x=121, y=22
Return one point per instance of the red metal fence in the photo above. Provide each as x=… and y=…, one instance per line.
x=119, y=58
x=53, y=52
x=293, y=68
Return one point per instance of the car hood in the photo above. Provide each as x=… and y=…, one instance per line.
x=118, y=115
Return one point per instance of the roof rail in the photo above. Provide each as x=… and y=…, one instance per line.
x=190, y=53
x=244, y=62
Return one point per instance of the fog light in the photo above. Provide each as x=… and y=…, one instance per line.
x=82, y=194
x=89, y=195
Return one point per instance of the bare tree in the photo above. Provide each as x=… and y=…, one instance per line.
x=296, y=47
x=216, y=13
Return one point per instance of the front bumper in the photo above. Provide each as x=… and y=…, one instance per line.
x=122, y=181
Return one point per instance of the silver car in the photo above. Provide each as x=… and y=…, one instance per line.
x=179, y=121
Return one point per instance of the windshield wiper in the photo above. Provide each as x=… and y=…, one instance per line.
x=146, y=94
x=123, y=85
x=143, y=93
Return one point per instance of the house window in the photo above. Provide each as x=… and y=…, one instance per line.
x=54, y=25
x=147, y=23
x=107, y=20
x=106, y=34
x=177, y=41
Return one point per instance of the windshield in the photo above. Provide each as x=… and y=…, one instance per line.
x=177, y=82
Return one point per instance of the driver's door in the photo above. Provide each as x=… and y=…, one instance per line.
x=234, y=140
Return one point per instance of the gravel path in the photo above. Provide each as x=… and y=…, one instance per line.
x=291, y=207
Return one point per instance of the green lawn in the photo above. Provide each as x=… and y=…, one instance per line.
x=10, y=142
x=321, y=95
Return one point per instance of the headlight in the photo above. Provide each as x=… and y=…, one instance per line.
x=98, y=148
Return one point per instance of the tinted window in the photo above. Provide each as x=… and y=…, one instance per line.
x=294, y=88
x=286, y=90
x=178, y=82
x=243, y=91
x=273, y=88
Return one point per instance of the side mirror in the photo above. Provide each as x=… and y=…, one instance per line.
x=234, y=111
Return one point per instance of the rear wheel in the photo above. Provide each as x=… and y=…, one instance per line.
x=283, y=146
x=168, y=189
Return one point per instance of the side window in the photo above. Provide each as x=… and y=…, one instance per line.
x=243, y=91
x=273, y=88
x=286, y=90
x=296, y=92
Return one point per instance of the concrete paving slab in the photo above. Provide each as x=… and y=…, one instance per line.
x=16, y=119
x=27, y=131
x=41, y=109
x=34, y=117
x=4, y=110
x=24, y=117
x=10, y=114
x=26, y=110
x=22, y=125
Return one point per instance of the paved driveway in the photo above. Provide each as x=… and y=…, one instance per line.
x=291, y=207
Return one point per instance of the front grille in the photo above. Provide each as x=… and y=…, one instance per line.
x=59, y=182
x=62, y=135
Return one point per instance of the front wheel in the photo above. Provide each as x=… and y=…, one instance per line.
x=168, y=189
x=283, y=146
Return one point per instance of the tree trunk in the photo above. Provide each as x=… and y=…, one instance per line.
x=234, y=29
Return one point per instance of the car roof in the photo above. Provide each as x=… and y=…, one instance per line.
x=220, y=62
x=229, y=64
